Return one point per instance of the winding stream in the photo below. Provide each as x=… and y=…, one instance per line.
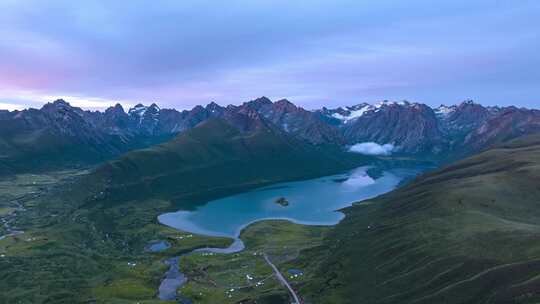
x=6, y=221
x=310, y=202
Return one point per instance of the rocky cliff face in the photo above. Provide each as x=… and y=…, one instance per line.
x=464, y=117
x=504, y=125
x=417, y=128
x=301, y=123
x=57, y=120
x=412, y=127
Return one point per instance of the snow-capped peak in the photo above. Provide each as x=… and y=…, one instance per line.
x=138, y=110
x=353, y=112
x=143, y=112
x=444, y=110
x=154, y=106
x=389, y=103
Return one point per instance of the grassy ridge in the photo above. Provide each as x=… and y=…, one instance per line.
x=467, y=233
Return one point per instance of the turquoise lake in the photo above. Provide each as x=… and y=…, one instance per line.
x=311, y=202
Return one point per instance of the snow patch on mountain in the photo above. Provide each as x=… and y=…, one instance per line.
x=389, y=103
x=372, y=148
x=138, y=110
x=143, y=112
x=353, y=113
x=444, y=111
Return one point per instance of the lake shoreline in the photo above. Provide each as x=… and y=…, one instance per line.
x=175, y=277
x=312, y=202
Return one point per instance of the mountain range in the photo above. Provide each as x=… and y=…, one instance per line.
x=465, y=233
x=59, y=133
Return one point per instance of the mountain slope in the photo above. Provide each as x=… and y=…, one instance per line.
x=467, y=233
x=55, y=134
x=306, y=125
x=412, y=127
x=509, y=123
x=61, y=136
x=243, y=151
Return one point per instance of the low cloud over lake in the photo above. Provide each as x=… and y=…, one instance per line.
x=372, y=148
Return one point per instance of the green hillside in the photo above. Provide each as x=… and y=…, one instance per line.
x=214, y=159
x=467, y=233
x=82, y=231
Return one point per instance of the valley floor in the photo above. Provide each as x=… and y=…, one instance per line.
x=64, y=255
x=71, y=257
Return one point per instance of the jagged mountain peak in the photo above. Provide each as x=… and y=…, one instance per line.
x=349, y=113
x=152, y=109
x=284, y=101
x=258, y=103
x=392, y=103
x=140, y=109
x=60, y=102
x=444, y=110
x=212, y=104
x=213, y=107
x=468, y=102
x=57, y=104
x=263, y=99
x=285, y=105
x=60, y=109
x=137, y=108
x=466, y=116
x=117, y=108
x=197, y=108
x=356, y=107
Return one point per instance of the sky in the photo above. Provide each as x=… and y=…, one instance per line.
x=314, y=53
